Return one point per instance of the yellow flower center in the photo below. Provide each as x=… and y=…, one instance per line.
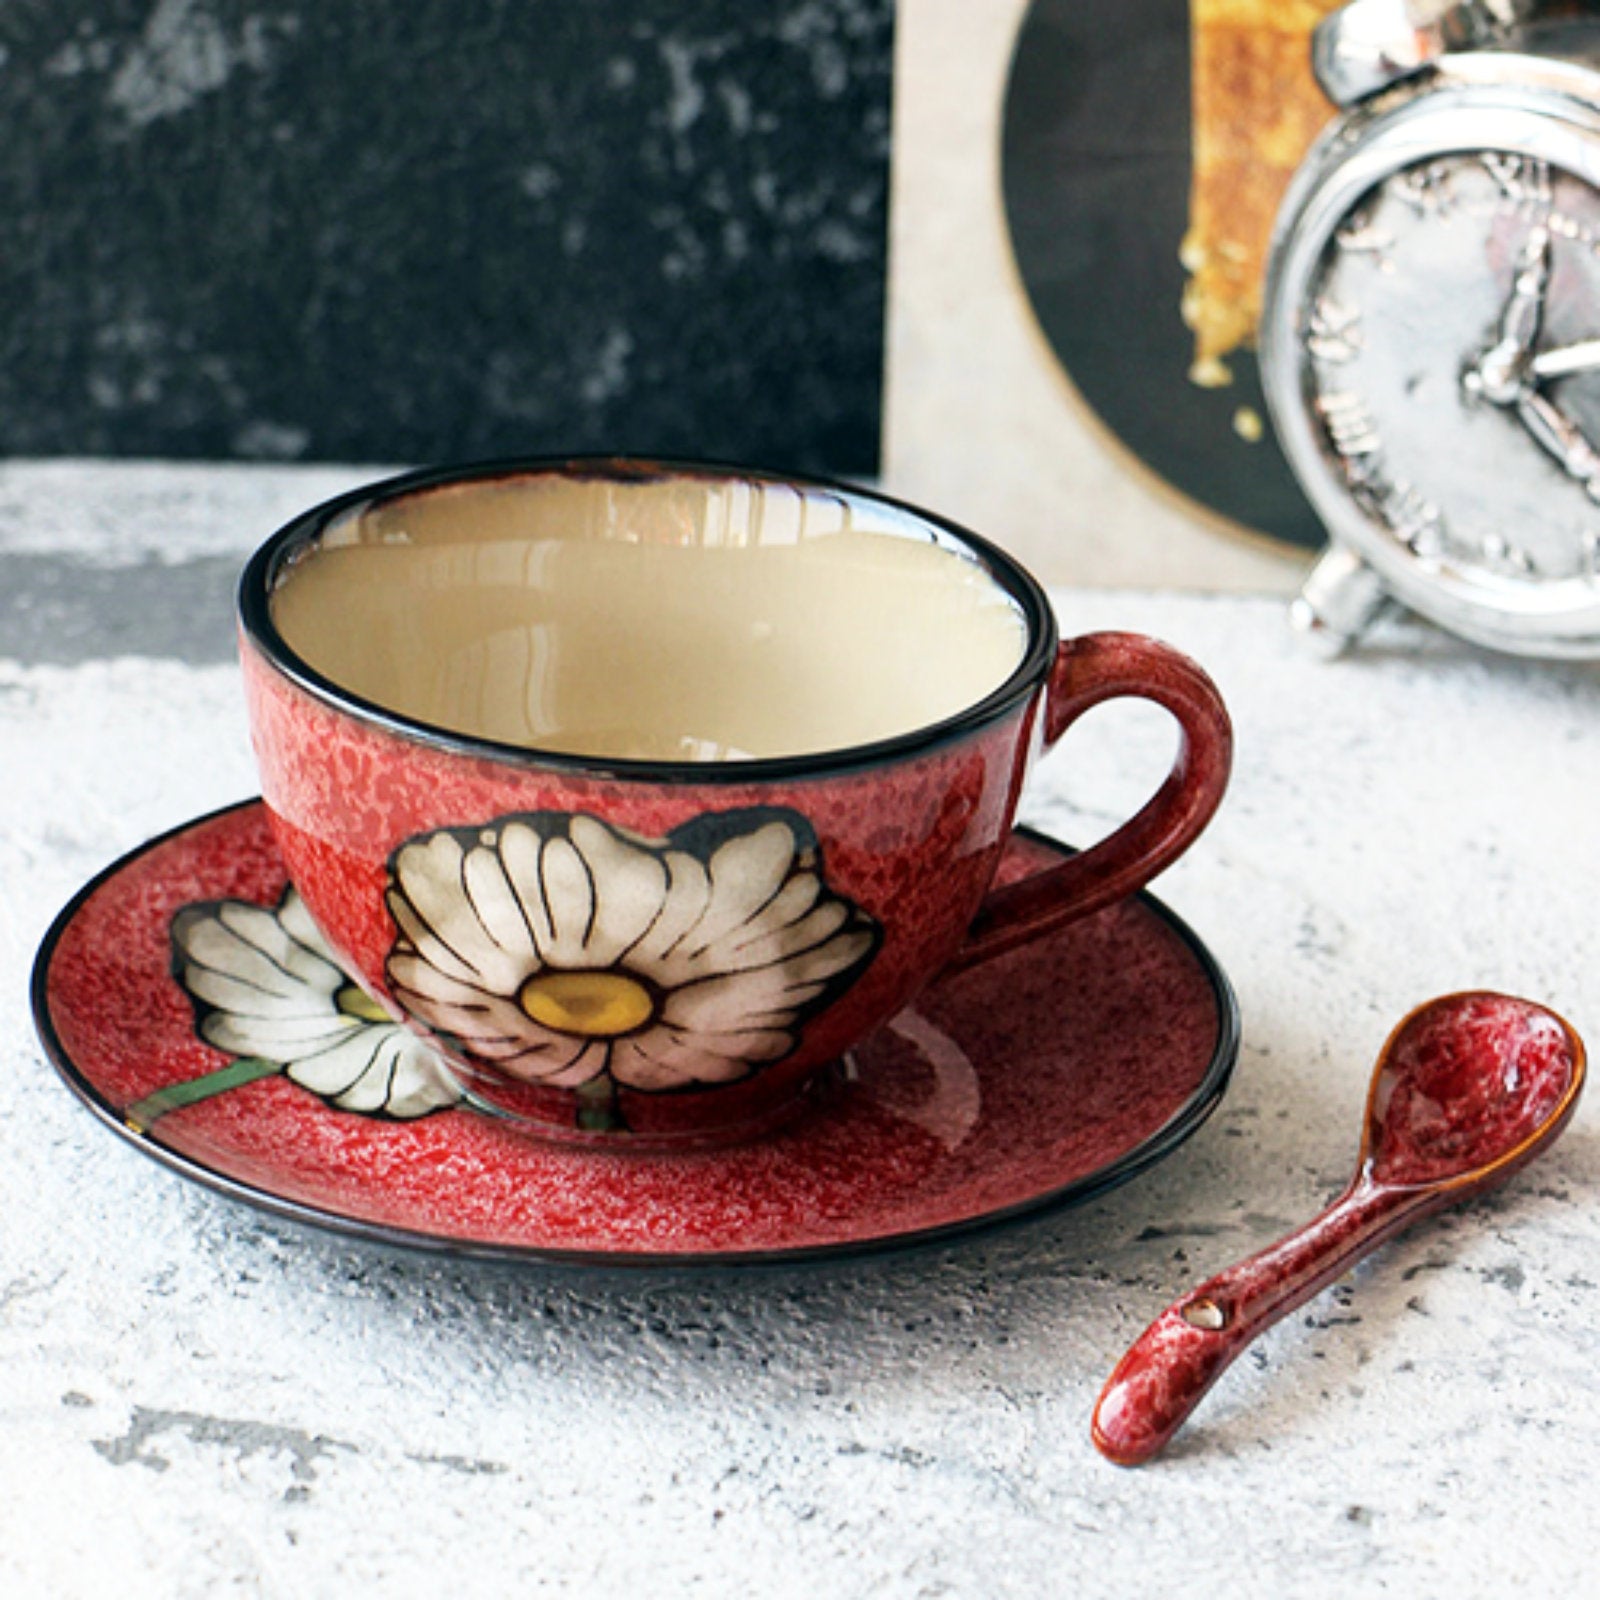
x=596, y=1005
x=356, y=1002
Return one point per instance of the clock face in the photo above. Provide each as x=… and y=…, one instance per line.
x=1449, y=353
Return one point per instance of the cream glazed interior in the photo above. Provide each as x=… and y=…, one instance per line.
x=676, y=616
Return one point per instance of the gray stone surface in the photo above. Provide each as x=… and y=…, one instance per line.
x=195, y=1401
x=55, y=609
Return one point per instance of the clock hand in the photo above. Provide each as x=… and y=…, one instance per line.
x=1552, y=428
x=1565, y=360
x=1506, y=373
x=1499, y=373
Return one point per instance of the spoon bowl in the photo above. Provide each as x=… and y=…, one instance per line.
x=1467, y=1090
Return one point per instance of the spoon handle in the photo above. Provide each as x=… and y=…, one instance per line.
x=1172, y=1364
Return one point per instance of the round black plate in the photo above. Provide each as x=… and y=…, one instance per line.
x=1095, y=173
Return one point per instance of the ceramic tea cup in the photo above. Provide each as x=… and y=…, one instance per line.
x=644, y=791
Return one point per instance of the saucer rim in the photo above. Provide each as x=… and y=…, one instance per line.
x=1138, y=1158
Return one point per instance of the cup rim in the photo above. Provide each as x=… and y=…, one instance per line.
x=261, y=572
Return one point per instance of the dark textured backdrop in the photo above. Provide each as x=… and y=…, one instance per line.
x=413, y=230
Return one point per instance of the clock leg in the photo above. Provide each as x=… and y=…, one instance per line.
x=1341, y=599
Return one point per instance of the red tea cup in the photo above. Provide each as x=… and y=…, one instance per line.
x=634, y=950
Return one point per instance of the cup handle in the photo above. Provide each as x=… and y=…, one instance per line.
x=1087, y=671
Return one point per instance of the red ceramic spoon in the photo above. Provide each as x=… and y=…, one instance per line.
x=1468, y=1089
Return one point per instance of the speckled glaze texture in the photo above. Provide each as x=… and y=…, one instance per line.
x=1045, y=1075
x=1466, y=1092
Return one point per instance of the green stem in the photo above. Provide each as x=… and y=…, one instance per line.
x=247, y=1069
x=598, y=1111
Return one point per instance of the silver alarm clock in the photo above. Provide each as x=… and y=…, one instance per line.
x=1430, y=335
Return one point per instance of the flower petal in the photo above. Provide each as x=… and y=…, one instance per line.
x=419, y=1084
x=521, y=848
x=280, y=1039
x=273, y=994
x=402, y=1080
x=568, y=893
x=537, y=1044
x=475, y=1032
x=655, y=1060
x=758, y=1044
x=687, y=896
x=563, y=1065
x=270, y=932
x=770, y=997
x=223, y=940
x=787, y=907
x=370, y=1091
x=500, y=914
x=417, y=936
x=817, y=928
x=461, y=1009
x=245, y=999
x=431, y=903
x=333, y=1071
x=630, y=889
x=411, y=970
x=746, y=872
x=297, y=922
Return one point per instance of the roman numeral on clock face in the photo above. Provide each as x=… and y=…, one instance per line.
x=1426, y=188
x=1361, y=236
x=1350, y=428
x=1520, y=179
x=1333, y=332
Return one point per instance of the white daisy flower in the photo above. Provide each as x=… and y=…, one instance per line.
x=561, y=950
x=266, y=987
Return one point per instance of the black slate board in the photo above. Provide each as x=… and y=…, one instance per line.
x=444, y=229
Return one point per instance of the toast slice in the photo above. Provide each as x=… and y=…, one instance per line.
x=1256, y=109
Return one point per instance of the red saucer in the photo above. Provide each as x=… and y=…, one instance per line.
x=1039, y=1078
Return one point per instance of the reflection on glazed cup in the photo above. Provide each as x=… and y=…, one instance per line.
x=637, y=952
